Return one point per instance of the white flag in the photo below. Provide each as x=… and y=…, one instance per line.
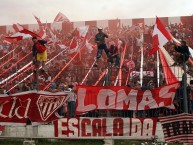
x=89, y=46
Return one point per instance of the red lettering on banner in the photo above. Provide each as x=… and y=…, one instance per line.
x=64, y=127
x=84, y=124
x=118, y=127
x=147, y=126
x=136, y=128
x=88, y=127
x=97, y=130
x=69, y=127
x=105, y=128
x=73, y=127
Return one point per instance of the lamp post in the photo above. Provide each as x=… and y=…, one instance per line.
x=108, y=84
x=184, y=78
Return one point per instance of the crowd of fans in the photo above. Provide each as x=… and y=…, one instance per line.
x=73, y=75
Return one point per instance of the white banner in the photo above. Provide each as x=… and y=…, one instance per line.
x=145, y=74
x=100, y=127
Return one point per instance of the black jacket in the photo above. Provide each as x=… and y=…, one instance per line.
x=183, y=50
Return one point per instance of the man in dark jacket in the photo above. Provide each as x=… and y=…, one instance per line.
x=114, y=55
x=101, y=45
x=183, y=50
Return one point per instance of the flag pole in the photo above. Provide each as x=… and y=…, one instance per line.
x=184, y=81
x=158, y=71
x=142, y=59
x=141, y=67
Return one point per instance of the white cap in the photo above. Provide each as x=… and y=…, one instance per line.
x=100, y=28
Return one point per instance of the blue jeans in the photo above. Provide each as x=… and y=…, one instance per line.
x=71, y=108
x=117, y=59
x=100, y=51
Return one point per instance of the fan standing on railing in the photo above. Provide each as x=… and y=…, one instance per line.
x=39, y=52
x=101, y=45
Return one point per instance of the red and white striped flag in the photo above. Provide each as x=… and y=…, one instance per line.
x=178, y=128
x=73, y=46
x=17, y=27
x=41, y=26
x=61, y=18
x=42, y=34
x=81, y=32
x=89, y=46
x=23, y=34
x=51, y=37
x=160, y=36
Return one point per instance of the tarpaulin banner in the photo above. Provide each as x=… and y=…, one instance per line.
x=97, y=127
x=35, y=106
x=123, y=98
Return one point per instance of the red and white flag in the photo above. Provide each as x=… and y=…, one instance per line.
x=23, y=34
x=177, y=128
x=61, y=18
x=17, y=27
x=82, y=31
x=41, y=26
x=160, y=36
x=73, y=46
x=51, y=36
x=89, y=46
x=42, y=34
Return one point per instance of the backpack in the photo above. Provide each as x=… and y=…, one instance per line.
x=40, y=48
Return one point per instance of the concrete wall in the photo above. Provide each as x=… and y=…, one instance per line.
x=47, y=131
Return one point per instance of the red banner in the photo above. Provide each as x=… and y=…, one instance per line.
x=100, y=127
x=178, y=128
x=123, y=98
x=36, y=106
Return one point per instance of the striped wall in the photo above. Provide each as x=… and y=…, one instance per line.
x=112, y=24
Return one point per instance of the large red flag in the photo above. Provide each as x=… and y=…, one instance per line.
x=160, y=36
